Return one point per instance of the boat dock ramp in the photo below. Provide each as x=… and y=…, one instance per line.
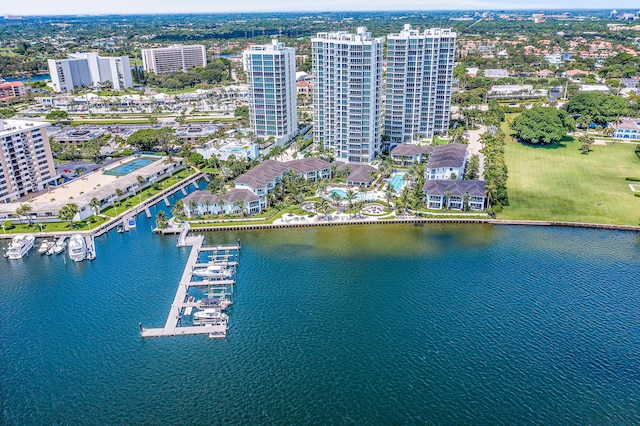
x=183, y=303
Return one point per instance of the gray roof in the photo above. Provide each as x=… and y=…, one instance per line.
x=269, y=170
x=359, y=172
x=263, y=174
x=230, y=197
x=306, y=165
x=457, y=188
x=410, y=150
x=449, y=155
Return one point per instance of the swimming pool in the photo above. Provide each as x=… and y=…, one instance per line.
x=129, y=167
x=360, y=196
x=397, y=182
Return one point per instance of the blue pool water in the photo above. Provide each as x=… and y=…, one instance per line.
x=360, y=196
x=397, y=182
x=129, y=167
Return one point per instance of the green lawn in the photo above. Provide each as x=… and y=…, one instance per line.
x=559, y=183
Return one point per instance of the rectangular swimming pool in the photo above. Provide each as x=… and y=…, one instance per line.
x=397, y=182
x=129, y=167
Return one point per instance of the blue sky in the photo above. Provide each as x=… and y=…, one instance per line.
x=66, y=7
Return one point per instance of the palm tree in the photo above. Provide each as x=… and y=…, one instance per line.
x=242, y=205
x=350, y=196
x=207, y=206
x=162, y=220
x=68, y=212
x=388, y=194
x=465, y=201
x=193, y=206
x=178, y=210
x=335, y=197
x=405, y=197
x=447, y=196
x=141, y=181
x=23, y=210
x=323, y=206
x=95, y=205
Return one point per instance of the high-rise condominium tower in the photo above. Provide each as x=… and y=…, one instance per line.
x=347, y=94
x=167, y=60
x=88, y=69
x=271, y=76
x=26, y=164
x=419, y=76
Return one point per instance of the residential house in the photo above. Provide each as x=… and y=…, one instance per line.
x=627, y=128
x=406, y=154
x=439, y=194
x=446, y=162
x=200, y=203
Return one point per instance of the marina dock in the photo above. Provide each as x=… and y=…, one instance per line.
x=181, y=303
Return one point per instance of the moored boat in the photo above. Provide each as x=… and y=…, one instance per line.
x=20, y=245
x=221, y=303
x=120, y=228
x=45, y=245
x=212, y=316
x=77, y=248
x=213, y=271
x=131, y=222
x=59, y=246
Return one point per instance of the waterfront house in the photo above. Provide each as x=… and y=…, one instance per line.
x=359, y=174
x=446, y=162
x=263, y=178
x=200, y=203
x=450, y=194
x=406, y=154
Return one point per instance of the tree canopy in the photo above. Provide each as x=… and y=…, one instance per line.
x=147, y=139
x=602, y=108
x=543, y=125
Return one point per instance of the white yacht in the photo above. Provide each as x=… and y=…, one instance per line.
x=20, y=245
x=221, y=303
x=45, y=245
x=77, y=248
x=59, y=246
x=210, y=316
x=213, y=271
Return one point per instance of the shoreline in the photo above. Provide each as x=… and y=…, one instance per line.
x=414, y=221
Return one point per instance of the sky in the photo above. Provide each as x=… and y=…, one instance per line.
x=76, y=7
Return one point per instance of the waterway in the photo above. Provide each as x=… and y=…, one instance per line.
x=393, y=324
x=37, y=77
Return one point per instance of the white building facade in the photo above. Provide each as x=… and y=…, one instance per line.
x=419, y=78
x=347, y=104
x=271, y=78
x=26, y=163
x=168, y=60
x=90, y=69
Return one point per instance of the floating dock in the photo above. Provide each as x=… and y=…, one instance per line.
x=181, y=304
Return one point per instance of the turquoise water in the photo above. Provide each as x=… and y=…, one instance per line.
x=397, y=182
x=129, y=167
x=385, y=324
x=359, y=196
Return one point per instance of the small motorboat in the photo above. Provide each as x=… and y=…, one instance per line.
x=131, y=222
x=59, y=246
x=120, y=228
x=45, y=245
x=210, y=316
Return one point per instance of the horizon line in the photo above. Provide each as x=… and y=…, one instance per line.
x=4, y=15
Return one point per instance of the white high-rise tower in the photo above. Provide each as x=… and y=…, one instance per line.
x=271, y=76
x=419, y=77
x=347, y=94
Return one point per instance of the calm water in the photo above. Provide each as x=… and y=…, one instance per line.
x=356, y=325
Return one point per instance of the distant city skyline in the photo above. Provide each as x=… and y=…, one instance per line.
x=122, y=7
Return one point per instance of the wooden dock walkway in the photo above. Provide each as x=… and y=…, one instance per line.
x=173, y=326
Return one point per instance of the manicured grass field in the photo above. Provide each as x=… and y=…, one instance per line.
x=558, y=183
